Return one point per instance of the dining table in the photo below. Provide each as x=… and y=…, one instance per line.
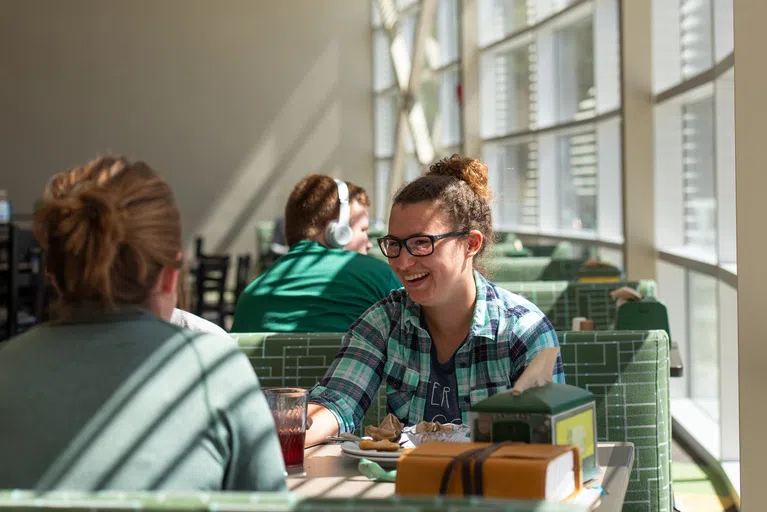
x=328, y=473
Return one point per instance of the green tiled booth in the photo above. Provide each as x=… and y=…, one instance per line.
x=246, y=502
x=516, y=269
x=535, y=268
x=299, y=360
x=289, y=359
x=561, y=301
x=628, y=371
x=508, y=249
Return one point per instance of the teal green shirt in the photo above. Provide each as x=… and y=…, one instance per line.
x=125, y=401
x=313, y=289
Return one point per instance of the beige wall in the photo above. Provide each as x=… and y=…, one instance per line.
x=751, y=184
x=232, y=100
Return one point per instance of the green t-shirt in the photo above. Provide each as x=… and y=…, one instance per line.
x=313, y=289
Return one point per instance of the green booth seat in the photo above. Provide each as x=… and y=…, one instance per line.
x=299, y=360
x=561, y=301
x=508, y=249
x=558, y=250
x=533, y=268
x=503, y=268
x=628, y=371
x=246, y=502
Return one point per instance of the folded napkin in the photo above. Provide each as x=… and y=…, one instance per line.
x=375, y=472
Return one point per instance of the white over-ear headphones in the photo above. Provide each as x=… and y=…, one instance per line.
x=338, y=233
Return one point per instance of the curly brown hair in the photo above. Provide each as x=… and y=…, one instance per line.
x=107, y=229
x=313, y=204
x=459, y=185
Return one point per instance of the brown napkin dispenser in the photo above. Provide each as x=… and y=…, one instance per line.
x=502, y=470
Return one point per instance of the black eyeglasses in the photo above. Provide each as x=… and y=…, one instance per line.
x=417, y=245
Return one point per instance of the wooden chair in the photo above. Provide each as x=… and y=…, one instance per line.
x=22, y=280
x=210, y=287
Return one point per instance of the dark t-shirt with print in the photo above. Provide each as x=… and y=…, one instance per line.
x=442, y=398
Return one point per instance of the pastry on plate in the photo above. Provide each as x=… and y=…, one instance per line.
x=383, y=445
x=390, y=428
x=427, y=427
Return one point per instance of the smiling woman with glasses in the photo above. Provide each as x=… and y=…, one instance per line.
x=449, y=338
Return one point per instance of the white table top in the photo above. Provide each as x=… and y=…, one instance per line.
x=329, y=474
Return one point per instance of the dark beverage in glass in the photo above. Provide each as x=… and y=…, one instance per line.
x=292, y=444
x=288, y=407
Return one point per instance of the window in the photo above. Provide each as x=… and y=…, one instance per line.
x=723, y=30
x=696, y=36
x=440, y=87
x=695, y=212
x=534, y=81
x=499, y=18
x=515, y=86
x=404, y=4
x=575, y=63
x=446, y=48
x=412, y=169
x=444, y=78
x=703, y=342
x=446, y=131
x=407, y=27
x=382, y=170
x=725, y=167
x=383, y=72
x=578, y=181
x=517, y=168
x=699, y=197
x=386, y=116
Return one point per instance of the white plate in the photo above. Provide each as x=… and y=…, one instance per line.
x=351, y=449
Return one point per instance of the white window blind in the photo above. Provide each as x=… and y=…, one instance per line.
x=578, y=181
x=696, y=36
x=699, y=196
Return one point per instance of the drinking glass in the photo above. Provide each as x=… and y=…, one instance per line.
x=288, y=407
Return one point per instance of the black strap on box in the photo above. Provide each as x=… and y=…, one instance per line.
x=464, y=458
x=477, y=456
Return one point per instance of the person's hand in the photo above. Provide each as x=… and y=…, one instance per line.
x=539, y=372
x=624, y=294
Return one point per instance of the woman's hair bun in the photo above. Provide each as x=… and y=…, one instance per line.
x=90, y=214
x=469, y=170
x=89, y=227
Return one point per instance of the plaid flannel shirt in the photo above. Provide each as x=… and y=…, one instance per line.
x=388, y=344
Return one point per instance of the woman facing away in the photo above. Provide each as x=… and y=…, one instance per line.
x=449, y=338
x=110, y=395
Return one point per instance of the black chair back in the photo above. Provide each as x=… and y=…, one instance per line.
x=22, y=281
x=210, y=286
x=243, y=274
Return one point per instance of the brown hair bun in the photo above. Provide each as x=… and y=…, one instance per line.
x=469, y=170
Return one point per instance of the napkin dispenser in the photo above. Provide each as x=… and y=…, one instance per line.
x=551, y=414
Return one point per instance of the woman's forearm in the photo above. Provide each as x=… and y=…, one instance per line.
x=323, y=424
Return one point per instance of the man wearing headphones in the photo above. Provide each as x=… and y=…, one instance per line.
x=326, y=280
